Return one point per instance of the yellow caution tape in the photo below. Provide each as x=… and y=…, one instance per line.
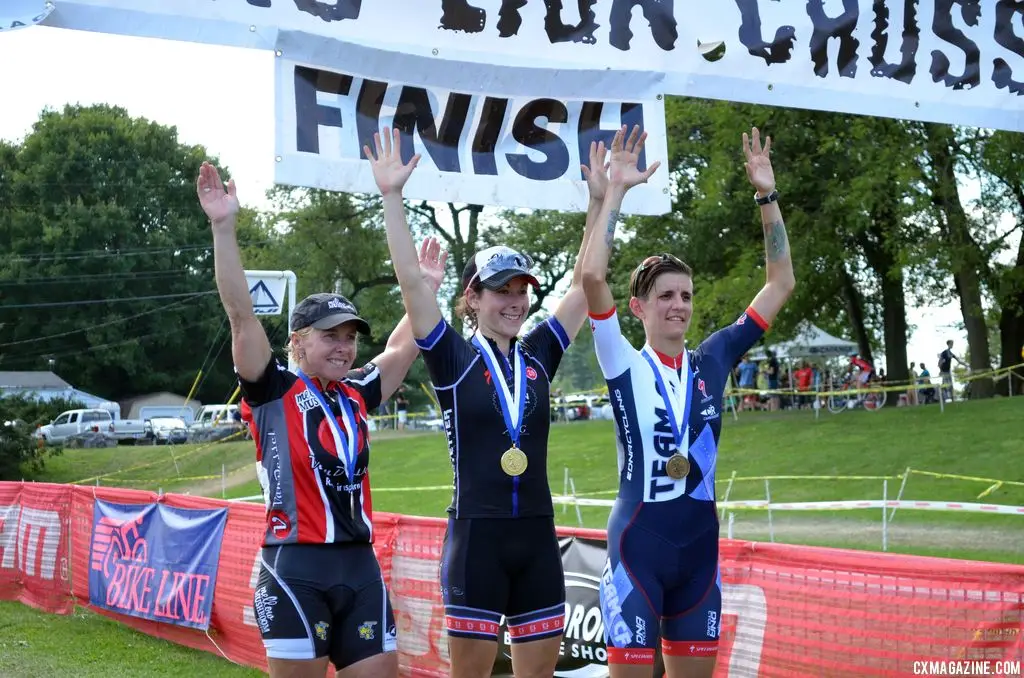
x=991, y=488
x=151, y=481
x=954, y=476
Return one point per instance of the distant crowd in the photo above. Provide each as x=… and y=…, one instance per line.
x=765, y=375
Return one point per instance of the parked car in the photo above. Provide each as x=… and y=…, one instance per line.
x=166, y=431
x=213, y=422
x=91, y=428
x=130, y=429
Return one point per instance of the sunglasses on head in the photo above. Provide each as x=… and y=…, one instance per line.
x=654, y=259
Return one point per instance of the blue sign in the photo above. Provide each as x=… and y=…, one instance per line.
x=155, y=561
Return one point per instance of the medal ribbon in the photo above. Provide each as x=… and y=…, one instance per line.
x=679, y=430
x=511, y=403
x=344, y=441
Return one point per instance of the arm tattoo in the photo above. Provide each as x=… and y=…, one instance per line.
x=609, y=236
x=776, y=244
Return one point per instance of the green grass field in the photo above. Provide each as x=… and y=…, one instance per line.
x=86, y=645
x=983, y=439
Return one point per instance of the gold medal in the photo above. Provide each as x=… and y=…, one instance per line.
x=513, y=461
x=677, y=467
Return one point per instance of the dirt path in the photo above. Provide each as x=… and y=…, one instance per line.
x=212, y=487
x=247, y=473
x=906, y=533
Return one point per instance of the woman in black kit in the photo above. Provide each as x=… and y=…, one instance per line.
x=501, y=556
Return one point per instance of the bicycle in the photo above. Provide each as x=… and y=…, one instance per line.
x=872, y=398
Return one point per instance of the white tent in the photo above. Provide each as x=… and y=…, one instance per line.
x=810, y=342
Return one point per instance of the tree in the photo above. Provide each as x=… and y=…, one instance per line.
x=579, y=370
x=462, y=240
x=106, y=267
x=965, y=256
x=717, y=230
x=332, y=242
x=999, y=159
x=21, y=456
x=551, y=239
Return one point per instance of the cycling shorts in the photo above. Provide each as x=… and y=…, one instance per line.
x=660, y=588
x=494, y=567
x=315, y=600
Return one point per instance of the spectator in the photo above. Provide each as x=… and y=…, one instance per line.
x=773, y=381
x=925, y=377
x=912, y=392
x=748, y=380
x=401, y=407
x=804, y=378
x=946, y=359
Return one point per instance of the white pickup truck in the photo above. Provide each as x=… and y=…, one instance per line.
x=91, y=428
x=213, y=422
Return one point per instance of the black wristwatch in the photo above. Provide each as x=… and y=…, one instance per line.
x=768, y=199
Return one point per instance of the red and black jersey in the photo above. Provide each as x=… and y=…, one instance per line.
x=861, y=364
x=309, y=496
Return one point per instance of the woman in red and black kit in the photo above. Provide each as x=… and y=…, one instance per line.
x=320, y=595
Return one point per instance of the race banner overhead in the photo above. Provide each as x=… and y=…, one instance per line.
x=955, y=61
x=22, y=13
x=475, y=147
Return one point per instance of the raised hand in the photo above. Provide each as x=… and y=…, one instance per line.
x=622, y=170
x=220, y=205
x=759, y=164
x=432, y=262
x=388, y=170
x=596, y=173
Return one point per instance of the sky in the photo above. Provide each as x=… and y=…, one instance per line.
x=222, y=98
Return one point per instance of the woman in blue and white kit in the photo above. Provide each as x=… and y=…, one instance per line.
x=661, y=581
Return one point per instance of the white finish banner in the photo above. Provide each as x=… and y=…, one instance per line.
x=955, y=61
x=485, y=148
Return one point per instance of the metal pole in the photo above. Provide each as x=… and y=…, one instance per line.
x=728, y=489
x=768, y=498
x=732, y=519
x=579, y=514
x=290, y=277
x=885, y=530
x=565, y=489
x=906, y=476
x=223, y=483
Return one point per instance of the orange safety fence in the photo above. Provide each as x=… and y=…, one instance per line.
x=787, y=610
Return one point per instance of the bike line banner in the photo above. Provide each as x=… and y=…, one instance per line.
x=155, y=562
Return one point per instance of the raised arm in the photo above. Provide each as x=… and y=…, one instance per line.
x=401, y=351
x=780, y=280
x=622, y=175
x=571, y=311
x=250, y=349
x=391, y=174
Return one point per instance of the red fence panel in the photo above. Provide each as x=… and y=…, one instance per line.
x=35, y=538
x=787, y=610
